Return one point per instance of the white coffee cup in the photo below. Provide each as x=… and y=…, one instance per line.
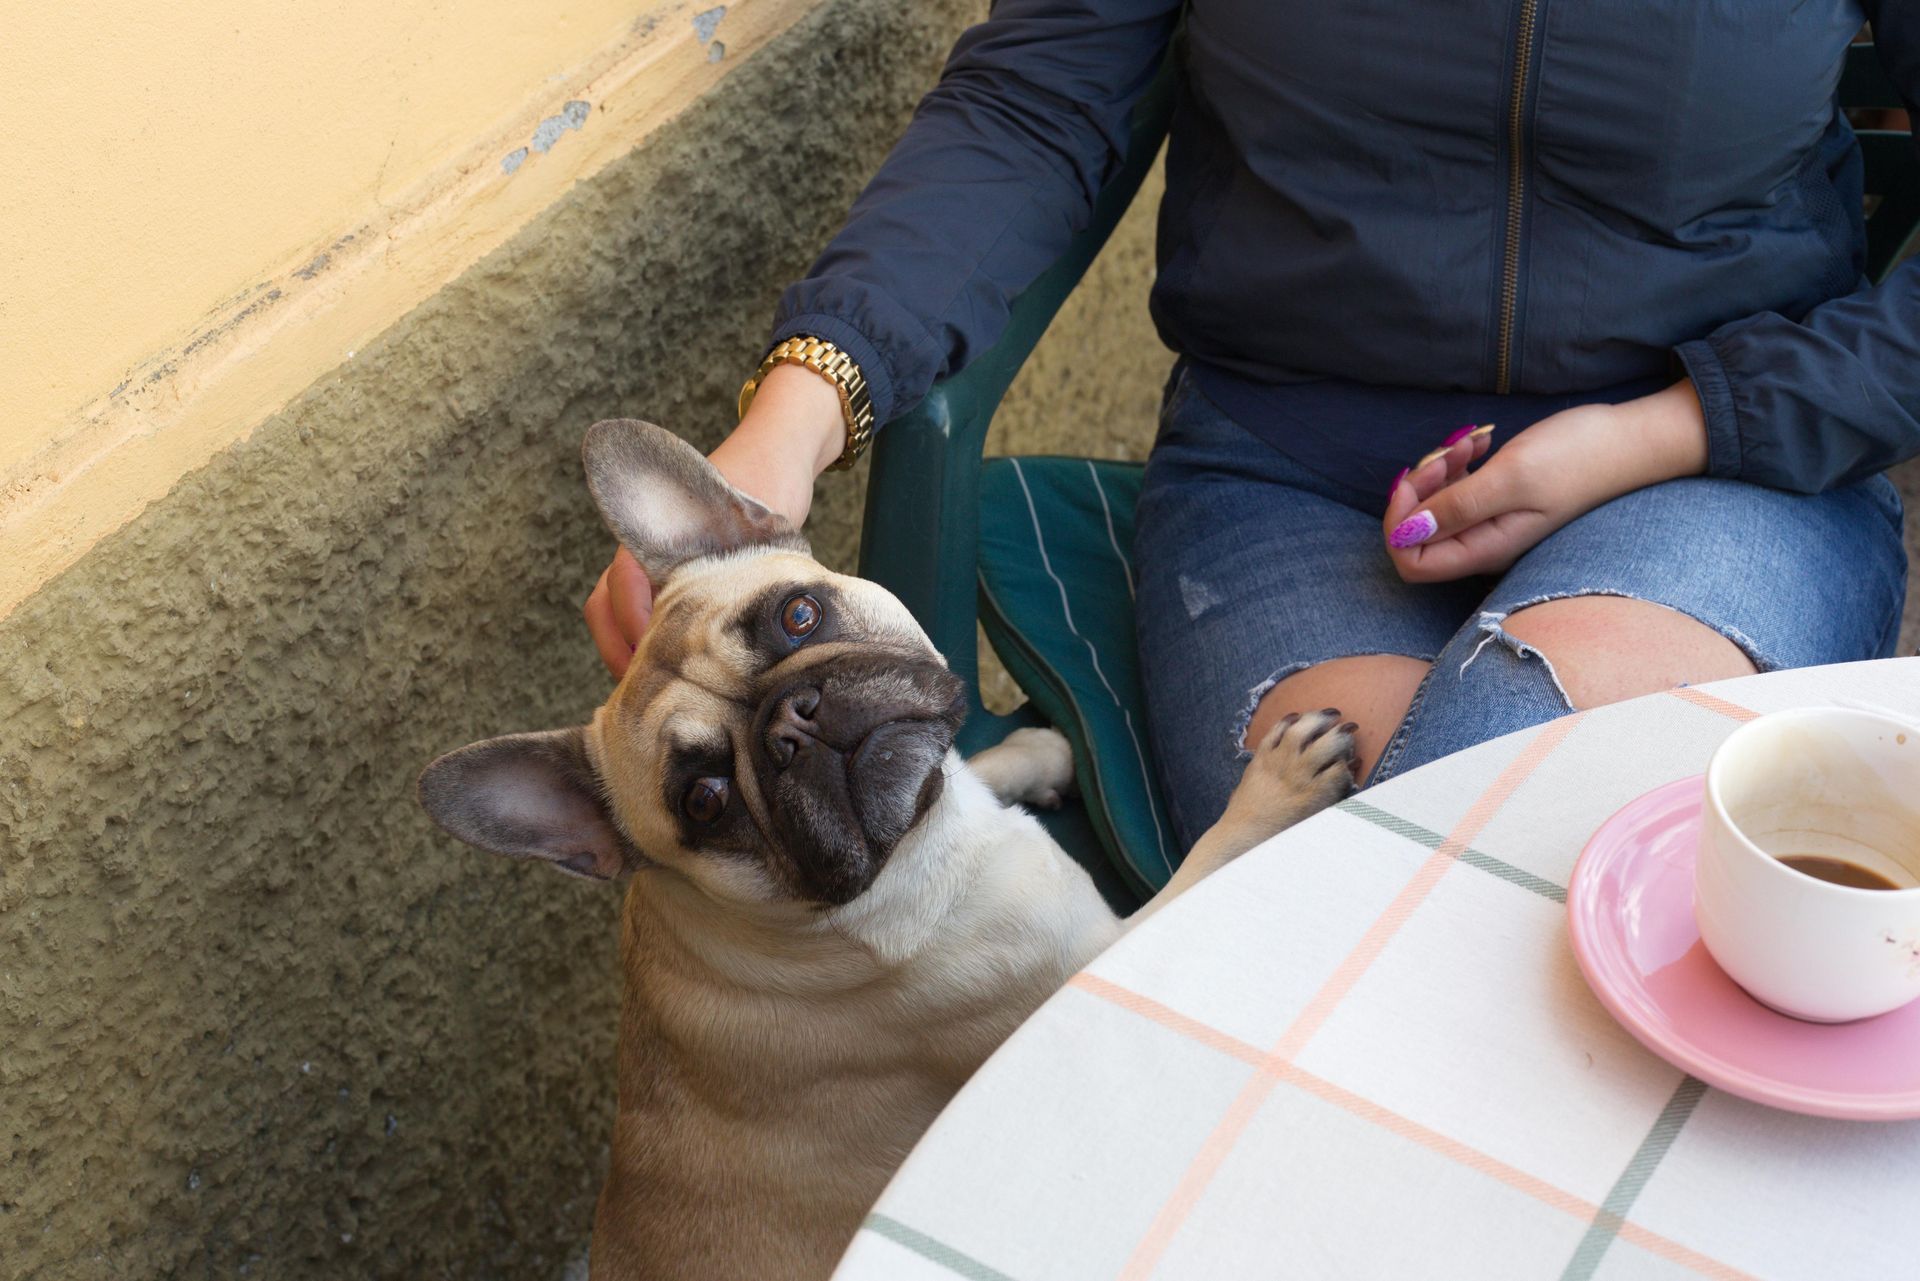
x=1831, y=783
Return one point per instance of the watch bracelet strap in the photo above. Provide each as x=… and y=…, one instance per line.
x=838, y=368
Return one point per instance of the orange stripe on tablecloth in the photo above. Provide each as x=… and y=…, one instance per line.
x=1272, y=1070
x=1281, y=1070
x=1415, y=892
x=1207, y=1161
x=1674, y=1252
x=1713, y=703
x=1166, y=1016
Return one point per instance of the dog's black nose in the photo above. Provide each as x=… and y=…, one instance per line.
x=791, y=728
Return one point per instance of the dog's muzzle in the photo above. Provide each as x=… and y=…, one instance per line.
x=850, y=758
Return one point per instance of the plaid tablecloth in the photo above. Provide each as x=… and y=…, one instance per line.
x=1364, y=1050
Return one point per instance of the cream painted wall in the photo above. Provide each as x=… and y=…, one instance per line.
x=211, y=204
x=167, y=156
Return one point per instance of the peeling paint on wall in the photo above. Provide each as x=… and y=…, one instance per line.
x=707, y=21
x=571, y=116
x=548, y=132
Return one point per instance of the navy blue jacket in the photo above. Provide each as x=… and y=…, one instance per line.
x=1536, y=197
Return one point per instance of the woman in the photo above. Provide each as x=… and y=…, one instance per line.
x=1628, y=234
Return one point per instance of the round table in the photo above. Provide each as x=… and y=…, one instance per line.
x=1364, y=1050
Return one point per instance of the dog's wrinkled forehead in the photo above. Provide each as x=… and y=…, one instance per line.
x=718, y=624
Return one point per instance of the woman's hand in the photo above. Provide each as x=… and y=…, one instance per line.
x=793, y=430
x=1444, y=522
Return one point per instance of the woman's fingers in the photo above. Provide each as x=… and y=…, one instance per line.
x=598, y=611
x=1480, y=524
x=1448, y=513
x=1445, y=466
x=1486, y=548
x=618, y=611
x=632, y=597
x=1448, y=463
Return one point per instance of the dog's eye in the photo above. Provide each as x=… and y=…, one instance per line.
x=706, y=800
x=800, y=617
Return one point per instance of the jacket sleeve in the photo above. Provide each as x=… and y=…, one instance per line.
x=998, y=170
x=1834, y=396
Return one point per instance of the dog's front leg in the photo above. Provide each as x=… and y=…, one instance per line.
x=1027, y=767
x=1304, y=764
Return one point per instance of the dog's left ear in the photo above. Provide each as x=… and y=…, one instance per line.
x=530, y=796
x=667, y=504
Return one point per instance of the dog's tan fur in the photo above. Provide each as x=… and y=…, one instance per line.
x=778, y=1058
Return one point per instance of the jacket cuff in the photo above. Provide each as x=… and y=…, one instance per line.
x=1725, y=457
x=855, y=344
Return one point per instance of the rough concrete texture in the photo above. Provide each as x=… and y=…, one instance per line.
x=256, y=1016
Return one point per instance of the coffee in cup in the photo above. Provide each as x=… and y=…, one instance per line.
x=1807, y=881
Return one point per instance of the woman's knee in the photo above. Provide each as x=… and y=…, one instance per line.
x=1372, y=690
x=1602, y=649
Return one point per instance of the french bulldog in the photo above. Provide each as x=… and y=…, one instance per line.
x=830, y=919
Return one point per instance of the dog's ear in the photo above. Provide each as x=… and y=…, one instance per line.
x=530, y=796
x=667, y=504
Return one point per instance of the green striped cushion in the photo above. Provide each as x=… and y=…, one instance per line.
x=1056, y=588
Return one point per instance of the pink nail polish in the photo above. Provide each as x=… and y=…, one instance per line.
x=1394, y=488
x=1458, y=436
x=1414, y=530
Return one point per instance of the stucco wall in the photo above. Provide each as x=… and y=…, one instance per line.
x=256, y=1016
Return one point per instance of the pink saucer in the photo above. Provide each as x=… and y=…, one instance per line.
x=1630, y=911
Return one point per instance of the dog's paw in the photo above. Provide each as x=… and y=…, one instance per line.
x=1302, y=765
x=1028, y=767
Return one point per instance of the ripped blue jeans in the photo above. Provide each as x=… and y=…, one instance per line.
x=1252, y=566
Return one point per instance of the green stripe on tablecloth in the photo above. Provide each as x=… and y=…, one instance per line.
x=1613, y=1211
x=937, y=1251
x=1432, y=840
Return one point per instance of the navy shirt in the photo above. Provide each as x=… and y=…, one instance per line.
x=1527, y=202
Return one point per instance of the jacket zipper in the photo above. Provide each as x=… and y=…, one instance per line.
x=1516, y=193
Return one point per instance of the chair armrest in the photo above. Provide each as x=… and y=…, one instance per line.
x=920, y=535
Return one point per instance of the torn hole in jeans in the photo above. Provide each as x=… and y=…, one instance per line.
x=1491, y=624
x=1244, y=721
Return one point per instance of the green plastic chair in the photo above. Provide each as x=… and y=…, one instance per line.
x=1037, y=550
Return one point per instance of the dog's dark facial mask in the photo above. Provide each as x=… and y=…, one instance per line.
x=779, y=732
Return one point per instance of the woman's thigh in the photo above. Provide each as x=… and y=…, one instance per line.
x=1252, y=568
x=1785, y=580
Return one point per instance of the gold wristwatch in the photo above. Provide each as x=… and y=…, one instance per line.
x=836, y=367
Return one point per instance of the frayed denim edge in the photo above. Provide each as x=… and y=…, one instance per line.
x=1389, y=763
x=1497, y=618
